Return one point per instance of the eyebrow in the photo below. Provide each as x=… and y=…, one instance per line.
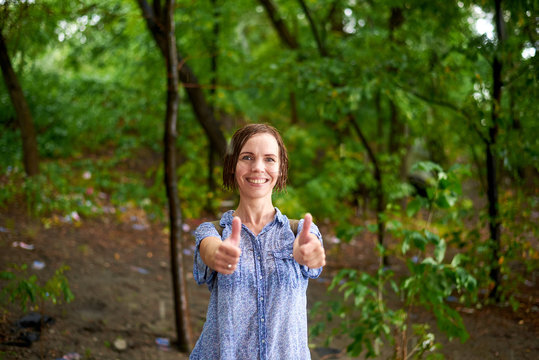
x=251, y=153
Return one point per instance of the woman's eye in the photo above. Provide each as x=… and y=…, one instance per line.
x=246, y=157
x=270, y=160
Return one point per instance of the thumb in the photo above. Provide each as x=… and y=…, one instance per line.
x=236, y=231
x=304, y=235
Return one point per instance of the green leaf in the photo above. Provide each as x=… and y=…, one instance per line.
x=7, y=275
x=405, y=245
x=457, y=259
x=429, y=261
x=439, y=251
x=427, y=166
x=414, y=206
x=418, y=240
x=432, y=237
x=372, y=227
x=442, y=201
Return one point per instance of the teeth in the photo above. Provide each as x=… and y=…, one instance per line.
x=257, y=181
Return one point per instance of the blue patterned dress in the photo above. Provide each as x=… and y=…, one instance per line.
x=260, y=311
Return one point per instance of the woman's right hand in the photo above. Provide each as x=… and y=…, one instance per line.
x=227, y=254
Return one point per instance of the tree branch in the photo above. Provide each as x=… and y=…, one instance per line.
x=279, y=25
x=321, y=48
x=448, y=105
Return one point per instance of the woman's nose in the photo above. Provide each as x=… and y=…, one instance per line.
x=258, y=165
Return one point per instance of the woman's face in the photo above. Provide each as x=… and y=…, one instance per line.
x=257, y=169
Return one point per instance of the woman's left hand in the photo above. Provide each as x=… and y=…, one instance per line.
x=308, y=249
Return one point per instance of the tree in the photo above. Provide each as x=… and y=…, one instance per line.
x=22, y=110
x=491, y=158
x=161, y=23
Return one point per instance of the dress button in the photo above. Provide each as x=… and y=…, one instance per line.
x=262, y=319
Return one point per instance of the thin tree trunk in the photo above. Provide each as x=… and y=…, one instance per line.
x=202, y=110
x=183, y=327
x=181, y=305
x=23, y=114
x=214, y=51
x=380, y=199
x=492, y=160
x=161, y=25
x=379, y=117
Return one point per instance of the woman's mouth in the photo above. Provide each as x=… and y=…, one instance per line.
x=257, y=181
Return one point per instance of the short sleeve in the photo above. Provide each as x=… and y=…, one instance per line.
x=306, y=271
x=201, y=272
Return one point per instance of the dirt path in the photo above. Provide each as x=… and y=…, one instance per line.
x=121, y=280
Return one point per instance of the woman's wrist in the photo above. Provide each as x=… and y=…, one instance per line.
x=208, y=248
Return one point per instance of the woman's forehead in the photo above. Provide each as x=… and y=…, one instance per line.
x=265, y=143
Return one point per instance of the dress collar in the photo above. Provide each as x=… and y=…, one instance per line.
x=228, y=216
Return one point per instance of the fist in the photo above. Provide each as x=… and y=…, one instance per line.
x=227, y=254
x=308, y=250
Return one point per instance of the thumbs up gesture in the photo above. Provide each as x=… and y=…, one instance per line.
x=227, y=254
x=308, y=250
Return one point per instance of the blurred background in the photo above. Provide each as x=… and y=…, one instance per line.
x=412, y=134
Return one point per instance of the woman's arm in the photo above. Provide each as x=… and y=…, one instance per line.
x=222, y=256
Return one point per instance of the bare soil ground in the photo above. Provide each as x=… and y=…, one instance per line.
x=120, y=276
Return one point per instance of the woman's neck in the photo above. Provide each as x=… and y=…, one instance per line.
x=255, y=214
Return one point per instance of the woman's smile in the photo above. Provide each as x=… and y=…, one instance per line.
x=257, y=181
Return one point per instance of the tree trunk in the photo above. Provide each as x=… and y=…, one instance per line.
x=379, y=117
x=24, y=116
x=161, y=24
x=203, y=111
x=380, y=199
x=214, y=51
x=181, y=305
x=491, y=158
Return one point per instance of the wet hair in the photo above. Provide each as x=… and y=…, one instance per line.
x=240, y=137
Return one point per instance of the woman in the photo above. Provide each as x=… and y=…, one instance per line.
x=257, y=270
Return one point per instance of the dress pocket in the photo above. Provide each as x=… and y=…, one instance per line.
x=287, y=268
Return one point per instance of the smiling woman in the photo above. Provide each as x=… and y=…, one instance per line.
x=256, y=268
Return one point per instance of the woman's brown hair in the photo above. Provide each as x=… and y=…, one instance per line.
x=239, y=139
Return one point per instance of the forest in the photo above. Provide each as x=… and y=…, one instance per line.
x=412, y=134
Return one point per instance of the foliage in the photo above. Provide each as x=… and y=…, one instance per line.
x=364, y=314
x=24, y=290
x=519, y=259
x=68, y=192
x=10, y=354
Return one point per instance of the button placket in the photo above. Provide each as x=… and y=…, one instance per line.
x=261, y=288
